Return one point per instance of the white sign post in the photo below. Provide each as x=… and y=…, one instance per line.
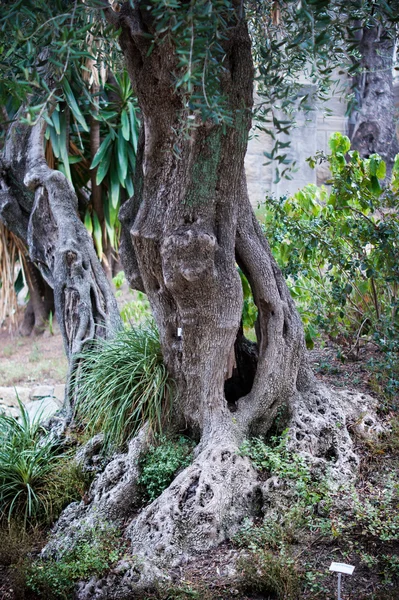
x=341, y=568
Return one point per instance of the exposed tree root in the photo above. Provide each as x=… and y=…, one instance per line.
x=208, y=501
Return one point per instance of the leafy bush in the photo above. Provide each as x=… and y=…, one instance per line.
x=159, y=465
x=339, y=250
x=28, y=456
x=136, y=310
x=121, y=384
x=94, y=554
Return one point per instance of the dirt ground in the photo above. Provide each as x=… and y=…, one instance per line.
x=32, y=360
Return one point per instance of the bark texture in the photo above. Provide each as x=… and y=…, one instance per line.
x=40, y=206
x=375, y=120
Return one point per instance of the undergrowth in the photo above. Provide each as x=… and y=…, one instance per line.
x=359, y=523
x=94, y=554
x=37, y=478
x=159, y=464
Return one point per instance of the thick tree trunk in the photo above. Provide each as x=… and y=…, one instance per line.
x=40, y=206
x=188, y=226
x=375, y=118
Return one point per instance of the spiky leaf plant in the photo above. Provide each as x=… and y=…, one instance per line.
x=123, y=383
x=28, y=455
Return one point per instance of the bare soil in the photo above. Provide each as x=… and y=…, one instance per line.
x=32, y=360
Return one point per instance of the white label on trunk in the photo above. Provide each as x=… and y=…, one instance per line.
x=179, y=331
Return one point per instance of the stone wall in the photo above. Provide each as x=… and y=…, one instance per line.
x=311, y=134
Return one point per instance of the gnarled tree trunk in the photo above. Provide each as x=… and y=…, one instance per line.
x=188, y=226
x=184, y=232
x=41, y=301
x=375, y=117
x=39, y=205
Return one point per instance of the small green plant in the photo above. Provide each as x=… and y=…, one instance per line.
x=123, y=383
x=28, y=456
x=276, y=459
x=376, y=513
x=159, y=465
x=138, y=309
x=94, y=554
x=50, y=323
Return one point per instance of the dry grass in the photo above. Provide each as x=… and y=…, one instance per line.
x=11, y=250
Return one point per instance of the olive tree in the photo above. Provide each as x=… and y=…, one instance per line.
x=189, y=224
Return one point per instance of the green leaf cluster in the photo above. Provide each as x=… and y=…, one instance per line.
x=338, y=247
x=160, y=463
x=95, y=553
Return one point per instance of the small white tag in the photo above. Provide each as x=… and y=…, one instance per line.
x=179, y=332
x=342, y=568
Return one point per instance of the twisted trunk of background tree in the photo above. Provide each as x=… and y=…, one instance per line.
x=39, y=205
x=375, y=117
x=41, y=301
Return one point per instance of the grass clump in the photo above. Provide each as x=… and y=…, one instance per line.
x=37, y=479
x=160, y=464
x=123, y=383
x=94, y=554
x=28, y=455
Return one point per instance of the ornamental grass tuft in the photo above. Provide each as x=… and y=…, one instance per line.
x=121, y=384
x=28, y=455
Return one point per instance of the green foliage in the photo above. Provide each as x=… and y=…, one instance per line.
x=94, y=554
x=161, y=462
x=136, y=310
x=249, y=309
x=28, y=456
x=121, y=384
x=68, y=483
x=374, y=514
x=37, y=479
x=339, y=250
x=275, y=459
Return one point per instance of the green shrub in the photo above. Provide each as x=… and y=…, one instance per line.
x=339, y=249
x=159, y=465
x=95, y=553
x=121, y=384
x=28, y=456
